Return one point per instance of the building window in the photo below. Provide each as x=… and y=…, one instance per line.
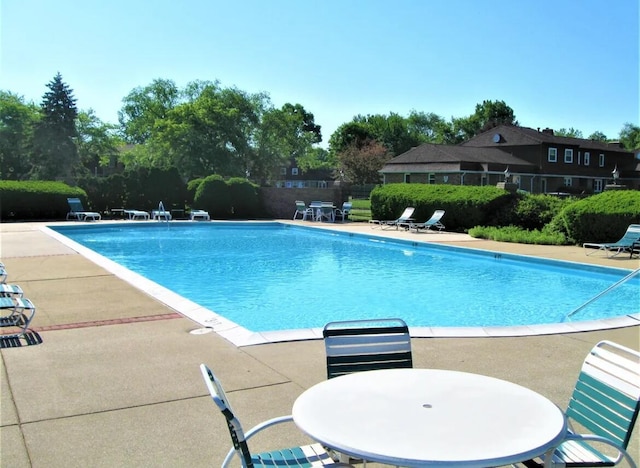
x=568, y=182
x=432, y=178
x=597, y=186
x=587, y=158
x=553, y=155
x=294, y=171
x=407, y=178
x=601, y=160
x=283, y=171
x=568, y=156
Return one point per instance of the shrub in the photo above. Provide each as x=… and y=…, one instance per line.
x=465, y=206
x=519, y=235
x=30, y=200
x=213, y=195
x=600, y=218
x=245, y=201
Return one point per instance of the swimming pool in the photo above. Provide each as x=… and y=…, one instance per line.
x=273, y=277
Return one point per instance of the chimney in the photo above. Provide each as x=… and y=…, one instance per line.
x=548, y=131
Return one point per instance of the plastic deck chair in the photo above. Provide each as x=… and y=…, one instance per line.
x=605, y=402
x=405, y=218
x=343, y=213
x=302, y=210
x=360, y=345
x=625, y=244
x=432, y=222
x=77, y=212
x=18, y=312
x=305, y=456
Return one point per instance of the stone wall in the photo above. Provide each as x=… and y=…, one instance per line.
x=281, y=202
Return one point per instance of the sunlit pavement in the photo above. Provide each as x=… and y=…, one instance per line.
x=116, y=380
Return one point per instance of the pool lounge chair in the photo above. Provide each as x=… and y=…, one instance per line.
x=78, y=213
x=3, y=274
x=304, y=456
x=433, y=222
x=404, y=219
x=199, y=215
x=625, y=244
x=161, y=215
x=137, y=214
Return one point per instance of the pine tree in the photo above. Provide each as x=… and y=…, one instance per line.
x=55, y=154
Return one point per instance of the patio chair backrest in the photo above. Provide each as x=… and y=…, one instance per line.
x=407, y=213
x=359, y=345
x=606, y=398
x=235, y=428
x=75, y=204
x=632, y=234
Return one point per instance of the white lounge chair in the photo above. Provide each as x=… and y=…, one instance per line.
x=405, y=218
x=433, y=222
x=137, y=214
x=625, y=244
x=201, y=215
x=161, y=215
x=304, y=456
x=302, y=210
x=78, y=212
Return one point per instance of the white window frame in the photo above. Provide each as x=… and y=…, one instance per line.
x=587, y=158
x=283, y=171
x=294, y=171
x=407, y=178
x=598, y=184
x=552, y=155
x=432, y=178
x=601, y=160
x=568, y=182
x=568, y=156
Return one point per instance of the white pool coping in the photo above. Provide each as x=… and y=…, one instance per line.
x=241, y=336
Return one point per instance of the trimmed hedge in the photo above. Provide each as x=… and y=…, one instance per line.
x=465, y=206
x=37, y=200
x=600, y=218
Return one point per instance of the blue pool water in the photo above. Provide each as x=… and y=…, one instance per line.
x=270, y=276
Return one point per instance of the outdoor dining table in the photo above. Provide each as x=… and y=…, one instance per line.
x=429, y=417
x=318, y=207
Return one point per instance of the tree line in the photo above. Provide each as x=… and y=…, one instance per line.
x=205, y=128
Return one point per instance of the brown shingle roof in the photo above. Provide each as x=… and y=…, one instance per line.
x=511, y=135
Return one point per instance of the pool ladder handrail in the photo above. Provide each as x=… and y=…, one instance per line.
x=161, y=213
x=602, y=293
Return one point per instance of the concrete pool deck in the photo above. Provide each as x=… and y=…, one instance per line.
x=116, y=380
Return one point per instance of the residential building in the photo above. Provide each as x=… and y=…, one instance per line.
x=535, y=160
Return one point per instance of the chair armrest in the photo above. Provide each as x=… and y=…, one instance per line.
x=622, y=453
x=256, y=429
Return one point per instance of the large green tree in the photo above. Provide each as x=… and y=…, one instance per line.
x=630, y=137
x=98, y=143
x=144, y=107
x=55, y=155
x=488, y=114
x=17, y=119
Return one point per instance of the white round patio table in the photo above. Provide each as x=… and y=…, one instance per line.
x=429, y=417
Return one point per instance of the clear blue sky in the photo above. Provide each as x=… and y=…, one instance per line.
x=556, y=63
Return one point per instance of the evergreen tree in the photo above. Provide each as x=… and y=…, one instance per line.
x=55, y=154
